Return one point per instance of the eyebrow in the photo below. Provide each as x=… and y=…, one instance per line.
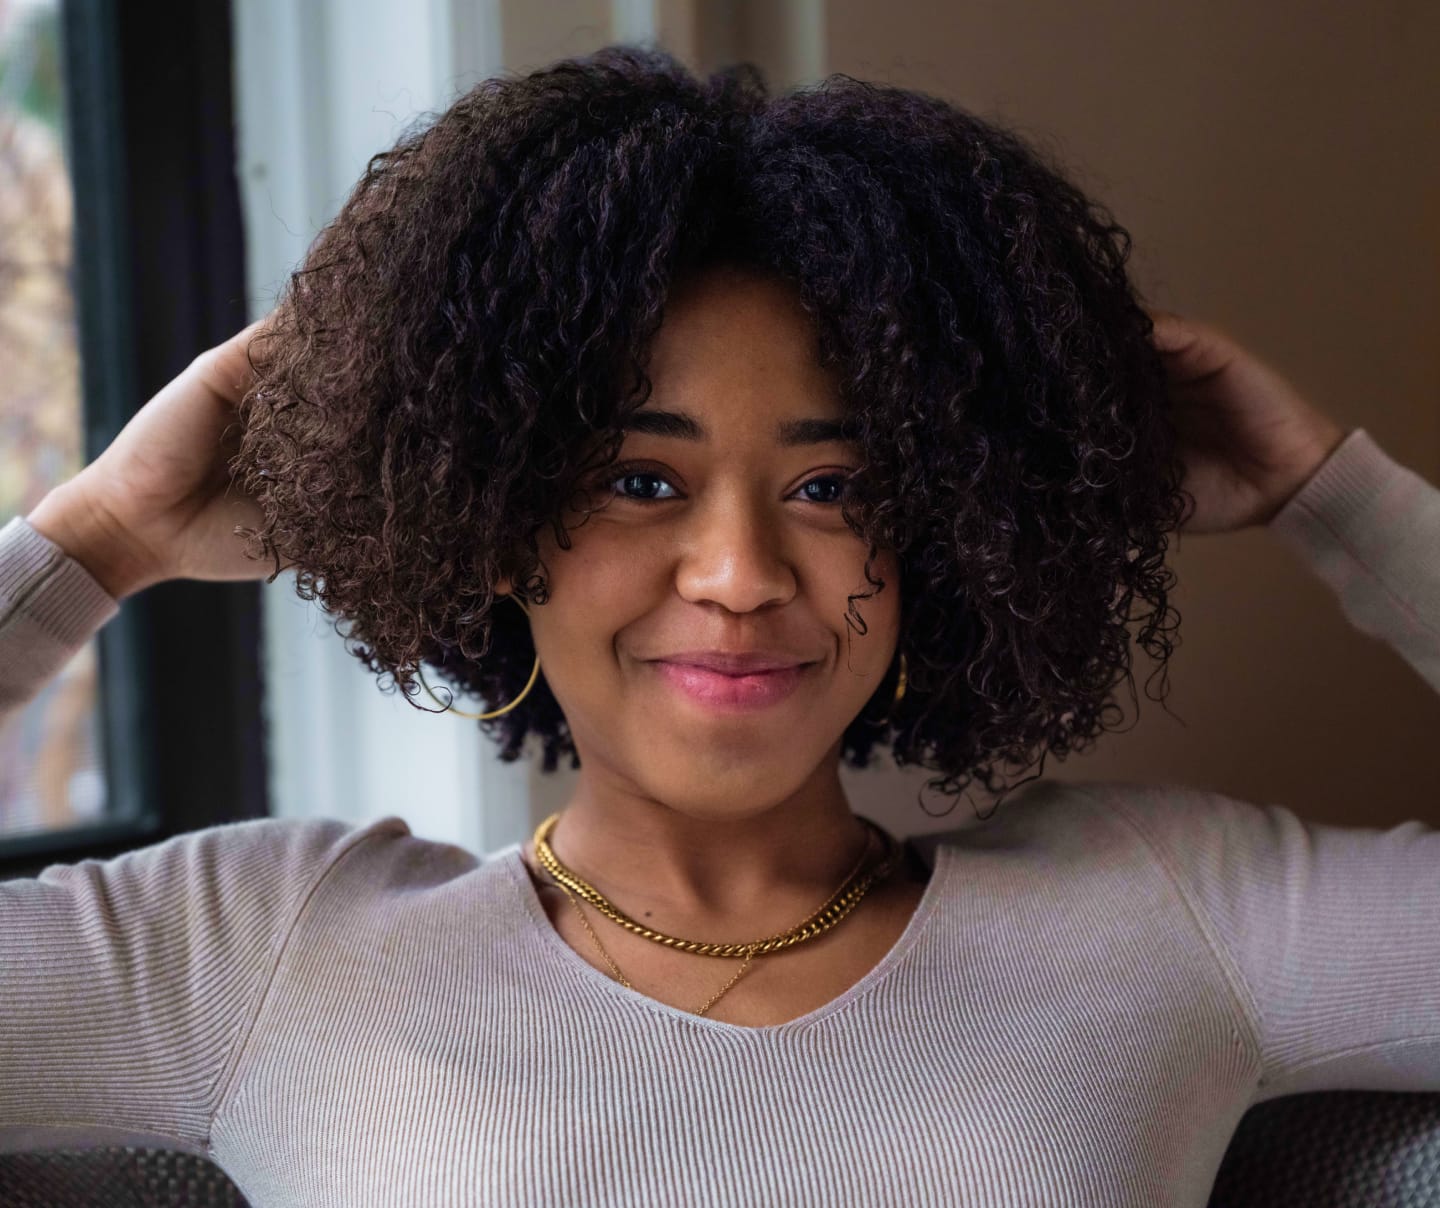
x=789, y=433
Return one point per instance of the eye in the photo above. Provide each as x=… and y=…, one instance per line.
x=644, y=486
x=624, y=484
x=834, y=483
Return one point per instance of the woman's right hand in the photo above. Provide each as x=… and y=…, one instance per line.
x=158, y=503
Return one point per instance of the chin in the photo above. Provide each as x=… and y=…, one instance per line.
x=722, y=798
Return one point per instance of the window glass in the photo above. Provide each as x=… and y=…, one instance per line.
x=50, y=763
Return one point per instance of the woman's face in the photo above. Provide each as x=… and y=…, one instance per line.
x=720, y=532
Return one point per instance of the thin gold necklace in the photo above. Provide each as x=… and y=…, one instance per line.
x=835, y=907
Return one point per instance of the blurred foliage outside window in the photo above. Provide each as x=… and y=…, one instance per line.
x=50, y=766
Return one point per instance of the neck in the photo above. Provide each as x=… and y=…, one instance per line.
x=707, y=877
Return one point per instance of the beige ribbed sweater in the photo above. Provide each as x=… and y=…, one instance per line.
x=1098, y=982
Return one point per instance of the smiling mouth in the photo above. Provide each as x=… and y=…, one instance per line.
x=732, y=693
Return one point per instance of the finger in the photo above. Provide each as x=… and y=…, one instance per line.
x=225, y=369
x=1171, y=332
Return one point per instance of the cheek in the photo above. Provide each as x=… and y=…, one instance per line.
x=595, y=591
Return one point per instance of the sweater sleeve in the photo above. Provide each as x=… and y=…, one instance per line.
x=128, y=986
x=50, y=606
x=1328, y=935
x=1370, y=528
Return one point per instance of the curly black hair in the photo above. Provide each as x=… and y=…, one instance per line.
x=456, y=355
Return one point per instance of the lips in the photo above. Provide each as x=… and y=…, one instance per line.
x=736, y=662
x=728, y=692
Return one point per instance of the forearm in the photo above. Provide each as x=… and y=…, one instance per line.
x=1368, y=526
x=50, y=606
x=68, y=518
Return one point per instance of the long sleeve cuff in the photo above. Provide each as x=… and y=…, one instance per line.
x=50, y=606
x=1370, y=528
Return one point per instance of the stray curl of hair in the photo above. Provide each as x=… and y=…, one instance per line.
x=455, y=355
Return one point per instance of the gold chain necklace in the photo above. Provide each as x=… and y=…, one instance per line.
x=816, y=924
x=624, y=981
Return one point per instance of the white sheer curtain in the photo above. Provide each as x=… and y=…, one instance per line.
x=321, y=86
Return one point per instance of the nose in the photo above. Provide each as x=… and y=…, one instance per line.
x=733, y=554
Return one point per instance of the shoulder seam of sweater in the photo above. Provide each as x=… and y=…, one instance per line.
x=1246, y=1005
x=385, y=827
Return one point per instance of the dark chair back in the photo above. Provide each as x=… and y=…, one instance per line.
x=114, y=1178
x=1334, y=1149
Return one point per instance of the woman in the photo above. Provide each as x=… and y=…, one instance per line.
x=712, y=437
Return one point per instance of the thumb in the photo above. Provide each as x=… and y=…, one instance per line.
x=225, y=369
x=1171, y=333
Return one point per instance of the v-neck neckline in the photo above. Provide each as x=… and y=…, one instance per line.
x=561, y=953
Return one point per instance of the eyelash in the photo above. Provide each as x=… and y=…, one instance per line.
x=622, y=472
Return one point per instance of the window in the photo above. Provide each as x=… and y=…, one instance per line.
x=50, y=767
x=157, y=729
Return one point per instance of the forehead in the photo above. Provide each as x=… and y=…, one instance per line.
x=739, y=335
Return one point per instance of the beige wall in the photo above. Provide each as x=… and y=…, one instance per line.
x=1276, y=165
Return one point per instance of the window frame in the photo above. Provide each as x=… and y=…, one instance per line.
x=159, y=276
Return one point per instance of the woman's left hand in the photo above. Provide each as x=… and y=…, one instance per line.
x=1248, y=439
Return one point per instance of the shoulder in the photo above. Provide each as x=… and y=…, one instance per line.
x=1199, y=829
x=381, y=856
x=1204, y=829
x=1035, y=812
x=1085, y=819
x=385, y=856
x=1053, y=802
x=271, y=860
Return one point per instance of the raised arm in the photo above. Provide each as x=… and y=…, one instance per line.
x=157, y=504
x=1257, y=453
x=1329, y=935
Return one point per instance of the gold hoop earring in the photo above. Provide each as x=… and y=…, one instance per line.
x=899, y=692
x=450, y=708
